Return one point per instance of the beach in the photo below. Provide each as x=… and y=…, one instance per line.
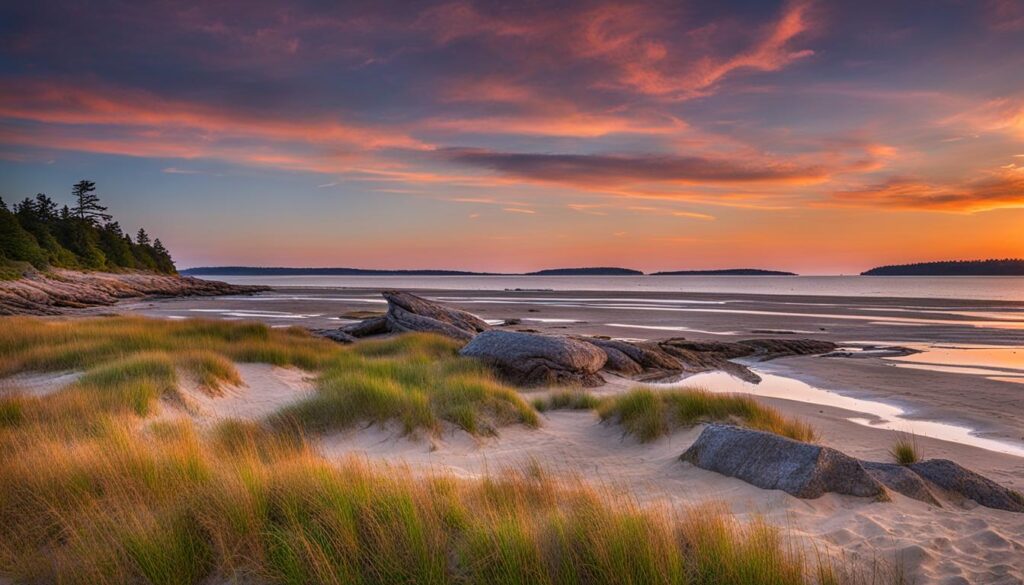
x=957, y=392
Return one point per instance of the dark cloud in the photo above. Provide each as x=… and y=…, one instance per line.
x=596, y=169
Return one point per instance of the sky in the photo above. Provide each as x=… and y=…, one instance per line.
x=819, y=137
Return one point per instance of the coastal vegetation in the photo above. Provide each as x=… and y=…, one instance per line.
x=97, y=491
x=904, y=450
x=991, y=267
x=38, y=233
x=649, y=414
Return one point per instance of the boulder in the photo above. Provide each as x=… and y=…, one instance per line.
x=961, y=481
x=770, y=461
x=408, y=312
x=902, y=480
x=528, y=359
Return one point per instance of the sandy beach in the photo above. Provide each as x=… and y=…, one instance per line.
x=962, y=388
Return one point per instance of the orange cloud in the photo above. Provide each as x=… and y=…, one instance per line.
x=1000, y=189
x=70, y=104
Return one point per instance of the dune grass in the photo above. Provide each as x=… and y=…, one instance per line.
x=649, y=414
x=566, y=400
x=904, y=450
x=131, y=363
x=92, y=494
x=240, y=503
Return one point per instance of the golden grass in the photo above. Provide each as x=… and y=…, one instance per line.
x=93, y=494
x=648, y=413
x=173, y=506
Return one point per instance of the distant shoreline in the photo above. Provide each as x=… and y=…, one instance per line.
x=595, y=271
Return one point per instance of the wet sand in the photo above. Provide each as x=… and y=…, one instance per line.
x=954, y=383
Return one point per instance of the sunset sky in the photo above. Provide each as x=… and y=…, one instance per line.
x=819, y=137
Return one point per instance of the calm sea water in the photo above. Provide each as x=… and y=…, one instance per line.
x=997, y=288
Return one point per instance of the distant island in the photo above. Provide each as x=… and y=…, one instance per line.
x=593, y=271
x=284, y=271
x=725, y=272
x=1004, y=267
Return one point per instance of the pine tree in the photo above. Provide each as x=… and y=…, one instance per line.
x=3, y=206
x=88, y=206
x=142, y=238
x=163, y=258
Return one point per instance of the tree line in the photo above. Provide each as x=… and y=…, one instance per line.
x=81, y=236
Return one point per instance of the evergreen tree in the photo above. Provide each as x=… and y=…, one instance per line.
x=87, y=206
x=18, y=244
x=164, y=263
x=142, y=238
x=3, y=206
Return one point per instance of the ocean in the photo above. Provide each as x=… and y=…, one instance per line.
x=990, y=288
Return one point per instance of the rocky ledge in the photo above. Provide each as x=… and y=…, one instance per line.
x=804, y=470
x=56, y=291
x=532, y=359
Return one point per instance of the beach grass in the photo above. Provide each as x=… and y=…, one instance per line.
x=648, y=413
x=170, y=504
x=566, y=400
x=131, y=363
x=904, y=450
x=95, y=492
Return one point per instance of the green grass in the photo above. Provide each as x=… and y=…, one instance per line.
x=130, y=364
x=417, y=380
x=649, y=414
x=566, y=400
x=904, y=450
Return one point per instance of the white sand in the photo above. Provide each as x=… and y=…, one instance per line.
x=265, y=389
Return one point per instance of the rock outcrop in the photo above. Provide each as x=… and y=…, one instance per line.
x=902, y=480
x=770, y=461
x=55, y=291
x=965, y=483
x=652, y=360
x=527, y=359
x=637, y=360
x=408, y=312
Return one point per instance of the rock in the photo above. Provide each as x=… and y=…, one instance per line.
x=695, y=357
x=57, y=290
x=959, y=480
x=408, y=312
x=528, y=359
x=769, y=349
x=632, y=359
x=902, y=480
x=367, y=327
x=334, y=335
x=703, y=356
x=770, y=461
